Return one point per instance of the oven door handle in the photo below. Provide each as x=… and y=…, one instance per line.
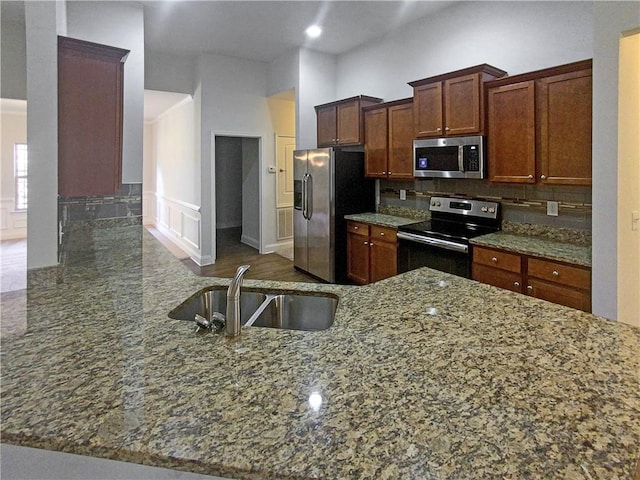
x=434, y=242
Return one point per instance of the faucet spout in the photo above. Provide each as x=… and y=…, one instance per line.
x=233, y=302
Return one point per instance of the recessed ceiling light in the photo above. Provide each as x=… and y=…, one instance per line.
x=313, y=31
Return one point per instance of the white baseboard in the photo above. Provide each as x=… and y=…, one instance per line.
x=252, y=242
x=278, y=246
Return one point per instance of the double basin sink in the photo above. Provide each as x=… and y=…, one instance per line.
x=259, y=309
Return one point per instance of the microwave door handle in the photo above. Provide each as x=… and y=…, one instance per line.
x=461, y=158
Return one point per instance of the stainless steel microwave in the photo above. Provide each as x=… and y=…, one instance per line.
x=455, y=157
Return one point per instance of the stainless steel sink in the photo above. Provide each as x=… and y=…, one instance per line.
x=257, y=309
x=296, y=312
x=214, y=299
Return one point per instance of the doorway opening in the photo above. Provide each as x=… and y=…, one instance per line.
x=237, y=197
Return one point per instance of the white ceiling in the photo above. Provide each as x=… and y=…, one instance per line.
x=264, y=30
x=258, y=30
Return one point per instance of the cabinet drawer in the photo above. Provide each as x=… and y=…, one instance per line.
x=358, y=228
x=497, y=278
x=498, y=259
x=383, y=233
x=559, y=273
x=559, y=294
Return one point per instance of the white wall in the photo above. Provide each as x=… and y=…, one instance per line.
x=611, y=18
x=119, y=25
x=232, y=96
x=316, y=85
x=171, y=177
x=629, y=180
x=13, y=80
x=42, y=28
x=13, y=129
x=168, y=73
x=514, y=36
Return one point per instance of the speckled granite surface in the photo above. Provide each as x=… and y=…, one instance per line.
x=575, y=253
x=381, y=219
x=423, y=375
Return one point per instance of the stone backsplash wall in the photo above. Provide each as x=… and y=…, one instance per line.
x=521, y=204
x=103, y=211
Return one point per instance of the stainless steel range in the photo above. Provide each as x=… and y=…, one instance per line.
x=442, y=243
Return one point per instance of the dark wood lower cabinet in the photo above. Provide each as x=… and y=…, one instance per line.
x=372, y=252
x=556, y=282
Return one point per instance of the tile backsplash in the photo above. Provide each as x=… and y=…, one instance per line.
x=521, y=204
x=103, y=211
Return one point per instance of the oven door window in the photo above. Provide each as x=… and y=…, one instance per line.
x=412, y=255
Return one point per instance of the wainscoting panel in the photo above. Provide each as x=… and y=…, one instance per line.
x=180, y=222
x=13, y=225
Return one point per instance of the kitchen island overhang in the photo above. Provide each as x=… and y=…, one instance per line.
x=423, y=375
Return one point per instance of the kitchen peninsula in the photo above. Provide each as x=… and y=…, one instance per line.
x=422, y=375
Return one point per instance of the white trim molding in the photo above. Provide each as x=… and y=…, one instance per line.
x=13, y=223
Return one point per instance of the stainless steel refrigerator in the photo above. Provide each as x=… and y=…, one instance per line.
x=328, y=183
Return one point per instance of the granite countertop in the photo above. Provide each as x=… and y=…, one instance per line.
x=381, y=219
x=574, y=253
x=423, y=375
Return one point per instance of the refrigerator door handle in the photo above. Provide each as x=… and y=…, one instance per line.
x=304, y=196
x=309, y=189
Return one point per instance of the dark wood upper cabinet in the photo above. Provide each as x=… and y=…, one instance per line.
x=340, y=123
x=90, y=106
x=452, y=103
x=388, y=140
x=539, y=126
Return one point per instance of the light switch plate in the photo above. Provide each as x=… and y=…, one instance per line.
x=403, y=194
x=552, y=209
x=635, y=220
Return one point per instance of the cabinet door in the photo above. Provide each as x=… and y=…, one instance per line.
x=358, y=258
x=496, y=277
x=564, y=110
x=326, y=126
x=427, y=110
x=384, y=259
x=375, y=143
x=511, y=128
x=462, y=105
x=559, y=294
x=348, y=122
x=401, y=141
x=90, y=90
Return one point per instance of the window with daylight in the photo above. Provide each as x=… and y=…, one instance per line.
x=20, y=161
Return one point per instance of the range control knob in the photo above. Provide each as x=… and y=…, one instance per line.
x=492, y=210
x=433, y=203
x=438, y=204
x=484, y=209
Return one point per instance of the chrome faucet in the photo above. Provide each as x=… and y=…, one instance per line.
x=233, y=302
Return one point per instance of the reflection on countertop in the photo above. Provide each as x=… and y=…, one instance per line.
x=423, y=375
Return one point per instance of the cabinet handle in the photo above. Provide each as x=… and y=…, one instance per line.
x=529, y=176
x=447, y=129
x=516, y=284
x=337, y=140
x=555, y=273
x=356, y=228
x=438, y=129
x=542, y=177
x=529, y=288
x=494, y=260
x=382, y=234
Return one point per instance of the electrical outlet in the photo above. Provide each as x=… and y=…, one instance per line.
x=552, y=209
x=403, y=194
